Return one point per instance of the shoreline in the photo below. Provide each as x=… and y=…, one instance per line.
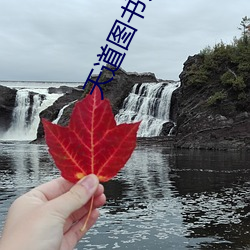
x=171, y=143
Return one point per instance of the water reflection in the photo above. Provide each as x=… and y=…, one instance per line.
x=26, y=164
x=142, y=209
x=214, y=187
x=160, y=200
x=22, y=167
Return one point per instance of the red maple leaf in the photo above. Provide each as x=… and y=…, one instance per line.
x=92, y=143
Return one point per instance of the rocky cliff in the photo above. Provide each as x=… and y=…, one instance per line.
x=209, y=114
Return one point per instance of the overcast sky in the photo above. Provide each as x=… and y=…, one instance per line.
x=59, y=40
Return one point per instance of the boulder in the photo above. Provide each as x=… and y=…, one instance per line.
x=60, y=90
x=7, y=105
x=52, y=112
x=166, y=128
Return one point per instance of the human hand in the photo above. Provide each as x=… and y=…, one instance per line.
x=50, y=216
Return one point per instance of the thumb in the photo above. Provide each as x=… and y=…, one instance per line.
x=76, y=197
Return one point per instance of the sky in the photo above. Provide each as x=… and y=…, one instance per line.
x=59, y=40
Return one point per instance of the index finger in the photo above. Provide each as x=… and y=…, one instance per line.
x=54, y=188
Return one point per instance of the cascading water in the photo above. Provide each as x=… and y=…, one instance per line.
x=149, y=103
x=25, y=117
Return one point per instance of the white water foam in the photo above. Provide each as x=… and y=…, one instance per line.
x=149, y=103
x=25, y=117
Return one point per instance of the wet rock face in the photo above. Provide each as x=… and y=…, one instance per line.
x=223, y=126
x=166, y=128
x=7, y=105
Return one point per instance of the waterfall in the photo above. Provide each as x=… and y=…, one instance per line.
x=25, y=117
x=149, y=103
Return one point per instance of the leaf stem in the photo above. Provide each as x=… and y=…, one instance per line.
x=84, y=228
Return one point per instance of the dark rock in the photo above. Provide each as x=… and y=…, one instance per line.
x=184, y=76
x=52, y=112
x=176, y=96
x=31, y=101
x=242, y=116
x=60, y=90
x=166, y=128
x=223, y=126
x=7, y=105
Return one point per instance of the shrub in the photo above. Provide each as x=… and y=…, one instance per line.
x=236, y=82
x=227, y=78
x=216, y=98
x=206, y=51
x=197, y=75
x=239, y=84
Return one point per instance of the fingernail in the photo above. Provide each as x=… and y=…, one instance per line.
x=89, y=182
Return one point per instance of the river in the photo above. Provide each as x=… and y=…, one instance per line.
x=162, y=199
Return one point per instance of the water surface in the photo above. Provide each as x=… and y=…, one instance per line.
x=161, y=200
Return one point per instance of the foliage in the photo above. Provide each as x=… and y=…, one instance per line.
x=228, y=78
x=245, y=28
x=226, y=66
x=206, y=51
x=197, y=75
x=92, y=142
x=216, y=98
x=234, y=81
x=239, y=84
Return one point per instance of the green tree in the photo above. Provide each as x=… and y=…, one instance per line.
x=245, y=28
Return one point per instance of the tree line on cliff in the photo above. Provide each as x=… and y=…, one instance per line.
x=214, y=99
x=229, y=65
